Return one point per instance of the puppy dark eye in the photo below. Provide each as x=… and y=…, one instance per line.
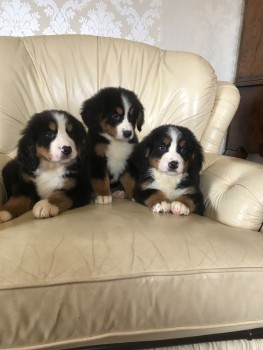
x=70, y=132
x=116, y=117
x=182, y=150
x=162, y=148
x=50, y=134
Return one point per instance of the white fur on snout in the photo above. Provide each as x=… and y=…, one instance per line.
x=62, y=139
x=172, y=155
x=125, y=125
x=43, y=209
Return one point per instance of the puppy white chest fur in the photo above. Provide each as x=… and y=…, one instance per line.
x=167, y=184
x=49, y=177
x=117, y=154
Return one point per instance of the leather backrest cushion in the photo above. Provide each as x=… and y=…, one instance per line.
x=60, y=72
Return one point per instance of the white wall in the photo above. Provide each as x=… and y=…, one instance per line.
x=208, y=27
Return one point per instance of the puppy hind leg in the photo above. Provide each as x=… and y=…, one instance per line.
x=14, y=207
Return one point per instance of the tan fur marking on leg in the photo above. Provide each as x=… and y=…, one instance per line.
x=128, y=184
x=60, y=200
x=27, y=177
x=69, y=183
x=17, y=206
x=100, y=149
x=157, y=197
x=101, y=187
x=187, y=202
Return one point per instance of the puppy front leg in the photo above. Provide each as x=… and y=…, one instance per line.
x=154, y=199
x=14, y=207
x=187, y=204
x=100, y=181
x=101, y=190
x=183, y=205
x=57, y=202
x=128, y=184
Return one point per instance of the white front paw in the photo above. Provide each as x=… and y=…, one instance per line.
x=162, y=207
x=43, y=209
x=5, y=216
x=103, y=199
x=179, y=208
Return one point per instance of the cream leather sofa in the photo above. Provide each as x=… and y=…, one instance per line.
x=119, y=274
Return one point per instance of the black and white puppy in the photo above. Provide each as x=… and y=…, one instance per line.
x=167, y=164
x=50, y=172
x=111, y=115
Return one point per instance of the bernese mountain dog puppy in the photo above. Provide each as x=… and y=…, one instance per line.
x=167, y=164
x=111, y=115
x=50, y=173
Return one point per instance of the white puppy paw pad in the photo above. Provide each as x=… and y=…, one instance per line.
x=162, y=207
x=103, y=199
x=43, y=209
x=179, y=208
x=5, y=216
x=119, y=194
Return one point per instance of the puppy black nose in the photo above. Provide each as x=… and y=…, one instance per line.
x=127, y=133
x=173, y=165
x=66, y=150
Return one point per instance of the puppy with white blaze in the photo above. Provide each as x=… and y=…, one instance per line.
x=112, y=115
x=50, y=173
x=166, y=165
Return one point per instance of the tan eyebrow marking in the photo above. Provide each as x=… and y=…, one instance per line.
x=166, y=141
x=69, y=127
x=119, y=110
x=182, y=143
x=52, y=126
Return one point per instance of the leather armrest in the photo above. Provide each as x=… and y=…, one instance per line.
x=226, y=103
x=233, y=191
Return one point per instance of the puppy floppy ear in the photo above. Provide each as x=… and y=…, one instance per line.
x=26, y=154
x=139, y=114
x=196, y=162
x=140, y=119
x=83, y=151
x=141, y=154
x=91, y=113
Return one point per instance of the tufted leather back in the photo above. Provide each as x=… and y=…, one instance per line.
x=60, y=72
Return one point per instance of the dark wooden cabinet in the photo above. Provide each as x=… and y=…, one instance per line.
x=245, y=133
